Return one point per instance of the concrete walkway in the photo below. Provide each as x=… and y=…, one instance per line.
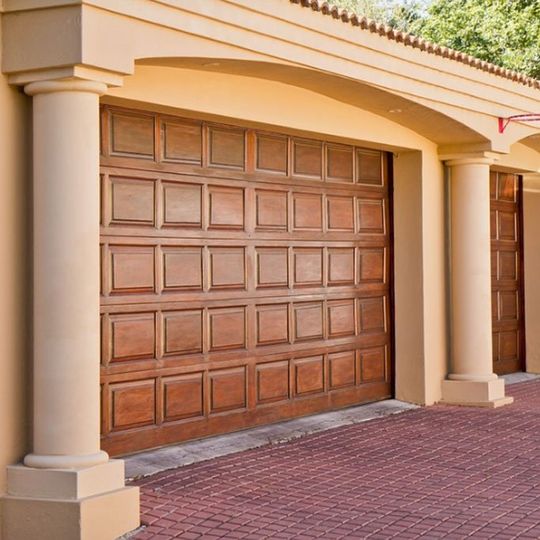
x=437, y=472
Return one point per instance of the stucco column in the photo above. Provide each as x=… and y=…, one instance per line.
x=471, y=379
x=66, y=274
x=67, y=488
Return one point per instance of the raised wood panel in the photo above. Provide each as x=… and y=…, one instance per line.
x=226, y=207
x=307, y=158
x=227, y=148
x=272, y=153
x=132, y=336
x=182, y=141
x=132, y=135
x=371, y=265
x=507, y=226
x=132, y=269
x=373, y=364
x=341, y=318
x=309, y=375
x=508, y=265
x=272, y=324
x=340, y=213
x=227, y=389
x=132, y=404
x=369, y=167
x=183, y=396
x=308, y=267
x=273, y=382
x=308, y=318
x=182, y=205
x=339, y=163
x=508, y=305
x=227, y=268
x=132, y=201
x=371, y=216
x=272, y=267
x=342, y=369
x=340, y=266
x=307, y=210
x=507, y=188
x=372, y=315
x=271, y=210
x=182, y=268
x=245, y=279
x=227, y=328
x=183, y=332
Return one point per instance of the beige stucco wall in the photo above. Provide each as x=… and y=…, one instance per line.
x=531, y=241
x=14, y=291
x=419, y=191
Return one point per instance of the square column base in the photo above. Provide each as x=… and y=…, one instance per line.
x=475, y=394
x=78, y=504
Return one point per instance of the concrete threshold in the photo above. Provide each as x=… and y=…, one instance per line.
x=171, y=457
x=514, y=378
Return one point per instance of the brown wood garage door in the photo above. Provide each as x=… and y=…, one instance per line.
x=245, y=278
x=506, y=273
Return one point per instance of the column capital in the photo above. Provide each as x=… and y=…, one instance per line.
x=66, y=85
x=472, y=158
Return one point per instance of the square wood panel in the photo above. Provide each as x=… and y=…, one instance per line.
x=272, y=153
x=309, y=375
x=227, y=328
x=132, y=135
x=308, y=267
x=271, y=210
x=339, y=163
x=132, y=269
x=341, y=318
x=340, y=266
x=182, y=396
x=272, y=324
x=369, y=167
x=227, y=268
x=307, y=158
x=372, y=315
x=226, y=207
x=226, y=148
x=182, y=141
x=227, y=389
x=182, y=268
x=182, y=205
x=132, y=336
x=371, y=216
x=273, y=382
x=183, y=332
x=342, y=367
x=307, y=208
x=272, y=267
x=308, y=320
x=132, y=201
x=133, y=404
x=372, y=265
x=340, y=213
x=373, y=364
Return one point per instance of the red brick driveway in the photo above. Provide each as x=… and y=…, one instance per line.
x=440, y=472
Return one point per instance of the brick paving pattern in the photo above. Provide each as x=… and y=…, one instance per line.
x=439, y=472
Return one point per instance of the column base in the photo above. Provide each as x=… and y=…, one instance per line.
x=475, y=393
x=78, y=504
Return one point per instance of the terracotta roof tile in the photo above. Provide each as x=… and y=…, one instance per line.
x=326, y=8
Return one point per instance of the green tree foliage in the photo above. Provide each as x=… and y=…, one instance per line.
x=504, y=32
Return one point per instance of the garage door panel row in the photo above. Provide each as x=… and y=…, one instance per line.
x=142, y=269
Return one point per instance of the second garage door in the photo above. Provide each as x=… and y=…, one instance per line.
x=245, y=278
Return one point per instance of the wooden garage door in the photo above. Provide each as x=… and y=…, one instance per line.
x=506, y=273
x=245, y=278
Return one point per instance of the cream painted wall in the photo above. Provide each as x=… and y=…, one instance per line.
x=531, y=227
x=14, y=275
x=419, y=191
